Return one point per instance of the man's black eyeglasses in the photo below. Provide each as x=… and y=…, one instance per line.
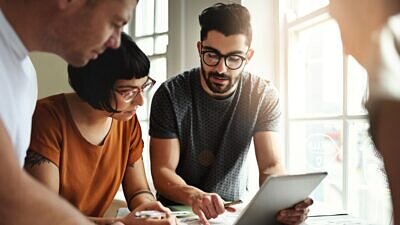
x=232, y=61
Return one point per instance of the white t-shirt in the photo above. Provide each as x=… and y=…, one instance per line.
x=384, y=69
x=18, y=88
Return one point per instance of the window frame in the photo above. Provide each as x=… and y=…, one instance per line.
x=286, y=28
x=153, y=56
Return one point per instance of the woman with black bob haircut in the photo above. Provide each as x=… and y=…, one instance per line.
x=85, y=144
x=94, y=83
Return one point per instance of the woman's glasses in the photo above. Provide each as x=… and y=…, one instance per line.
x=129, y=95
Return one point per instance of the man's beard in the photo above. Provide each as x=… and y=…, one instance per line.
x=216, y=88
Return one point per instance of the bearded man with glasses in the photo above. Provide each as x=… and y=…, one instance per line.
x=203, y=120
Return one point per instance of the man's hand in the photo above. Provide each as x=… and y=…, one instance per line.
x=207, y=206
x=295, y=215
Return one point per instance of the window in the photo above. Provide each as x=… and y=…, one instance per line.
x=150, y=31
x=326, y=127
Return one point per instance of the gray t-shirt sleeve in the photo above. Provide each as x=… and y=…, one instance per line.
x=162, y=116
x=269, y=111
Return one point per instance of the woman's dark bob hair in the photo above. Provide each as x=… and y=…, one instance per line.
x=94, y=82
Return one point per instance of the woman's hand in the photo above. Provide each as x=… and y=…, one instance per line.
x=167, y=219
x=155, y=205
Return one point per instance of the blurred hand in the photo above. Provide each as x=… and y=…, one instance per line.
x=295, y=215
x=131, y=219
x=117, y=223
x=207, y=206
x=156, y=205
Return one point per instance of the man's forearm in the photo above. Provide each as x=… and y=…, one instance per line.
x=104, y=221
x=23, y=200
x=278, y=169
x=173, y=187
x=38, y=205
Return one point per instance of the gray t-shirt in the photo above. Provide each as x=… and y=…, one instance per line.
x=214, y=135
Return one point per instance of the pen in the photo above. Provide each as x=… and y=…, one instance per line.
x=180, y=213
x=228, y=204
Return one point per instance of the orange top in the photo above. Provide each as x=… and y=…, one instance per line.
x=90, y=175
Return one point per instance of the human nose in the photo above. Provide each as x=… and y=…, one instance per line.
x=221, y=67
x=139, y=99
x=115, y=40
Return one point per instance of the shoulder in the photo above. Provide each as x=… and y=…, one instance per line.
x=50, y=120
x=181, y=80
x=54, y=101
x=51, y=107
x=259, y=86
x=178, y=85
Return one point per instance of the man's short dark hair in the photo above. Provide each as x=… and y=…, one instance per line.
x=94, y=82
x=229, y=19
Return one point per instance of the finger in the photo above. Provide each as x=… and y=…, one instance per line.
x=291, y=217
x=304, y=204
x=212, y=212
x=306, y=211
x=173, y=220
x=208, y=210
x=158, y=206
x=218, y=204
x=288, y=220
x=298, y=219
x=117, y=223
x=294, y=212
x=199, y=212
x=230, y=209
x=202, y=217
x=286, y=215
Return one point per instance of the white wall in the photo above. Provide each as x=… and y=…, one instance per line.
x=51, y=73
x=264, y=23
x=184, y=32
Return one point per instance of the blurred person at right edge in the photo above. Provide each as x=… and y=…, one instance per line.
x=370, y=31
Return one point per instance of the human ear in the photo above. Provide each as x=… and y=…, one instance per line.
x=199, y=47
x=249, y=54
